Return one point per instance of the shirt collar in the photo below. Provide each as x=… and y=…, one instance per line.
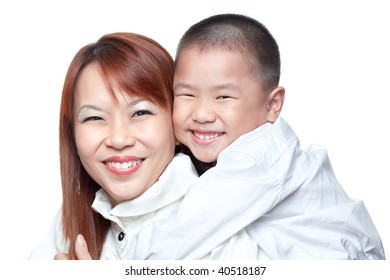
x=171, y=186
x=270, y=141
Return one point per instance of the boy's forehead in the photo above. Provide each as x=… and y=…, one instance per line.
x=192, y=54
x=212, y=50
x=216, y=73
x=195, y=55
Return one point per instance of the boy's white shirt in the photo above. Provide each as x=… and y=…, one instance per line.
x=285, y=199
x=266, y=198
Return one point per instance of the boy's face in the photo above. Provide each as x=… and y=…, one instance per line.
x=217, y=99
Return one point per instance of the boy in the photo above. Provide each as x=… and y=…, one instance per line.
x=266, y=198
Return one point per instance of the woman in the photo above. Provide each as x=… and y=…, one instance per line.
x=116, y=143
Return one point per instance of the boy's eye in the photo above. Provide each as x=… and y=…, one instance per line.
x=184, y=95
x=223, y=97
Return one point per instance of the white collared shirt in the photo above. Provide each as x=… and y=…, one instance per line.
x=284, y=200
x=129, y=217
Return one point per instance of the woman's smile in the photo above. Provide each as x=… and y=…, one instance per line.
x=123, y=166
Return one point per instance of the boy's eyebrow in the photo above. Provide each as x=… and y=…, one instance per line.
x=228, y=86
x=183, y=85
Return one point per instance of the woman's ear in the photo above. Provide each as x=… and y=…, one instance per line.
x=275, y=103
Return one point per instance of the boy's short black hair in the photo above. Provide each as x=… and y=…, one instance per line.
x=241, y=33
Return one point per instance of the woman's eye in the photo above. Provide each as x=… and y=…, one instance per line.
x=141, y=113
x=92, y=118
x=223, y=97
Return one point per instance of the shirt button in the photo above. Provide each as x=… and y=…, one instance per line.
x=121, y=236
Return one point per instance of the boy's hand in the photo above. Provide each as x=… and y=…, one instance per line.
x=81, y=248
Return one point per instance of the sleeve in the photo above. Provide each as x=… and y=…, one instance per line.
x=53, y=242
x=344, y=232
x=319, y=220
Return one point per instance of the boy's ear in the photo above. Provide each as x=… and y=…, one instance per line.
x=275, y=103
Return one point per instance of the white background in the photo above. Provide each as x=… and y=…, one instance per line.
x=335, y=68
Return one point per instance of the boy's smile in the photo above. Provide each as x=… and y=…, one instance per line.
x=205, y=137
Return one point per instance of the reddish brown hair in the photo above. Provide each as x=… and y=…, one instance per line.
x=137, y=65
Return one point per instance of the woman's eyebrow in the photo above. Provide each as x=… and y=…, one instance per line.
x=134, y=102
x=96, y=108
x=90, y=106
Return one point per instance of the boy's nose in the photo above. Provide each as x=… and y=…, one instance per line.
x=203, y=113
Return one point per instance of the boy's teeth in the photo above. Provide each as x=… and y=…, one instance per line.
x=206, y=136
x=123, y=165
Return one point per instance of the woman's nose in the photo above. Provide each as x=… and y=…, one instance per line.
x=120, y=137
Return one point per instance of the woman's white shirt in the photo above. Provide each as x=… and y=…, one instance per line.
x=129, y=217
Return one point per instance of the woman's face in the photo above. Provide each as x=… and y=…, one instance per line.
x=125, y=145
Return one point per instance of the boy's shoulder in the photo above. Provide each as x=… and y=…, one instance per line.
x=260, y=149
x=268, y=138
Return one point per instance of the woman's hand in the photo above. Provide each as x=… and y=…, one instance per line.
x=81, y=248
x=61, y=256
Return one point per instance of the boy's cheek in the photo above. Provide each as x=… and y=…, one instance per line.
x=179, y=114
x=178, y=124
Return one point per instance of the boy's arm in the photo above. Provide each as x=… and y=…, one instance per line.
x=343, y=232
x=240, y=189
x=270, y=183
x=304, y=214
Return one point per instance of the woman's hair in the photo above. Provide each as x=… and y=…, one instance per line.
x=233, y=32
x=136, y=65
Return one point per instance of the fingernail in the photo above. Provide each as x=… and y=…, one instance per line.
x=80, y=240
